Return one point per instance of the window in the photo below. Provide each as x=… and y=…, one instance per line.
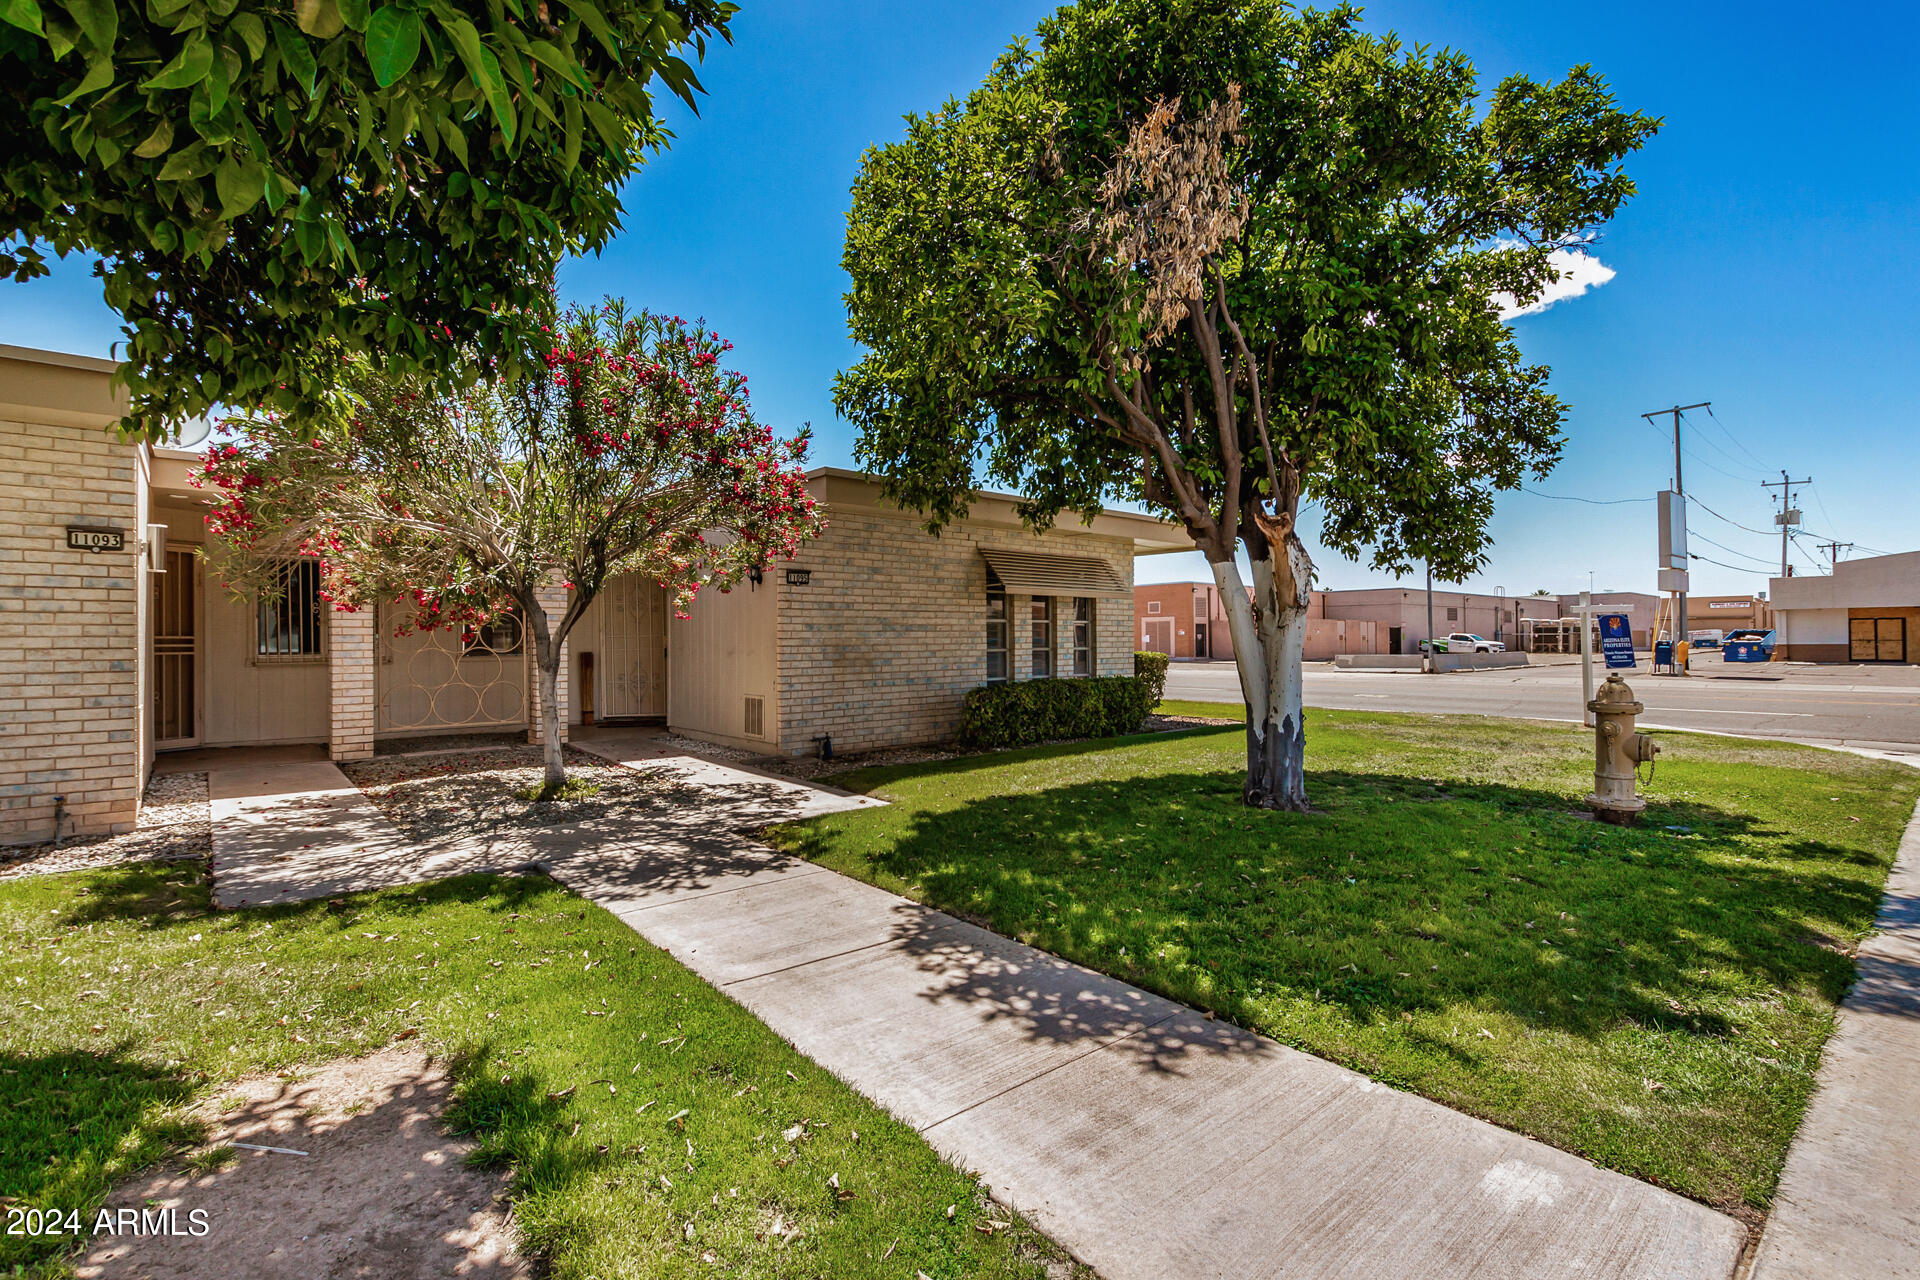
x=287, y=613
x=1453, y=615
x=1153, y=606
x=500, y=636
x=1042, y=636
x=996, y=635
x=1083, y=636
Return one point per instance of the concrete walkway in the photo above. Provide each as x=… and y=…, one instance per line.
x=1849, y=1197
x=1152, y=1142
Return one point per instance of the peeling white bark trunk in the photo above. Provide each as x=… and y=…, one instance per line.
x=1269, y=636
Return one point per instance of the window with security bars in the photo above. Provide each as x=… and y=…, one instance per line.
x=287, y=618
x=996, y=635
x=1042, y=618
x=1083, y=636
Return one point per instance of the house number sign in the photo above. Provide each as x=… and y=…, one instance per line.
x=799, y=577
x=80, y=538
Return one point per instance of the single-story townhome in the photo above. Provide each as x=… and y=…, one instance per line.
x=115, y=645
x=1866, y=610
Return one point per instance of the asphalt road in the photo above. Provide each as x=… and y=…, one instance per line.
x=1858, y=706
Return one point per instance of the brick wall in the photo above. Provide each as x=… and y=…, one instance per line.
x=351, y=676
x=890, y=633
x=70, y=627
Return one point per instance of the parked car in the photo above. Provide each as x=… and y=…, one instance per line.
x=1463, y=642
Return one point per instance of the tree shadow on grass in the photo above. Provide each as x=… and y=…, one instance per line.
x=1400, y=895
x=175, y=897
x=73, y=1120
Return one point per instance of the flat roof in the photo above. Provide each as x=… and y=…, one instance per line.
x=1151, y=535
x=63, y=359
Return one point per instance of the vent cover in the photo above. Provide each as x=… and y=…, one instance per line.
x=756, y=718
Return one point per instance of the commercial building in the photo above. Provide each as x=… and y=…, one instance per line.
x=1641, y=608
x=1399, y=615
x=115, y=645
x=1866, y=610
x=1186, y=621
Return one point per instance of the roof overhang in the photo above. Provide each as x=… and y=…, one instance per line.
x=1046, y=573
x=1149, y=535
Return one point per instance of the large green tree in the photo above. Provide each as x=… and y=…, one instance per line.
x=273, y=186
x=1226, y=258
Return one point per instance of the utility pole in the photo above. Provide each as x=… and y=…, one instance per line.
x=1833, y=550
x=1428, y=665
x=1788, y=517
x=1679, y=597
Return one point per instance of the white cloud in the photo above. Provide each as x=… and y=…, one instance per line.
x=1579, y=272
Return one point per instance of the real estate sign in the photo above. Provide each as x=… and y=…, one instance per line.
x=1616, y=640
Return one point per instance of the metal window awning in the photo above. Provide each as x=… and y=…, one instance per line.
x=1046, y=574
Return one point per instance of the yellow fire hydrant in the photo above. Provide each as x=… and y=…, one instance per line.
x=1618, y=751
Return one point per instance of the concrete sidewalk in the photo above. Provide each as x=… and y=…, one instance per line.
x=1152, y=1142
x=1849, y=1197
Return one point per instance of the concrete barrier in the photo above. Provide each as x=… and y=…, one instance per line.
x=1477, y=661
x=1441, y=661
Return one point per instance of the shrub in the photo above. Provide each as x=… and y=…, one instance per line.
x=1029, y=711
x=1151, y=667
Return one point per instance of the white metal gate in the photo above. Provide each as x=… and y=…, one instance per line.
x=434, y=681
x=633, y=648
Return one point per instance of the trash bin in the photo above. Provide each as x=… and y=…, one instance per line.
x=1663, y=653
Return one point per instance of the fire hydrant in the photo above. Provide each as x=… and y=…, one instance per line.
x=1618, y=751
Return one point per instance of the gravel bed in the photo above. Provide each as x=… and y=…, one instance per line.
x=474, y=792
x=173, y=827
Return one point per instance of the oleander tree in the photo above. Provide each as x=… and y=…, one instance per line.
x=1226, y=258
x=272, y=187
x=632, y=451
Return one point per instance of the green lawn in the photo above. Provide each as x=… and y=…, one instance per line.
x=1655, y=999
x=126, y=999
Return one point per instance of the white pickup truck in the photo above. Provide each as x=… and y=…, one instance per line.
x=1464, y=642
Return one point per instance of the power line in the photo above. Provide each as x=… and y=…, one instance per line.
x=1765, y=533
x=1592, y=502
x=1738, y=443
x=1701, y=438
x=1723, y=564
x=1732, y=551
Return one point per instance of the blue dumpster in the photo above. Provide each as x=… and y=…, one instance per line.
x=1747, y=646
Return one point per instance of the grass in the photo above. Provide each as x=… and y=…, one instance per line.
x=1653, y=998
x=654, y=1128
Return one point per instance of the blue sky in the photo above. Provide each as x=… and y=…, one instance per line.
x=1769, y=263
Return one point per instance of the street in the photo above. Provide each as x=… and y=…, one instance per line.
x=1859, y=706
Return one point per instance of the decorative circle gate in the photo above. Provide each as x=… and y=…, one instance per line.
x=436, y=681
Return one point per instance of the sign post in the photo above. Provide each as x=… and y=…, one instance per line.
x=1585, y=610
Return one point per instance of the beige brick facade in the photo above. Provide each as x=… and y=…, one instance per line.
x=878, y=647
x=889, y=634
x=70, y=621
x=351, y=684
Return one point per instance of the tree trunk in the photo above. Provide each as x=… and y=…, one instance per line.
x=1269, y=635
x=546, y=660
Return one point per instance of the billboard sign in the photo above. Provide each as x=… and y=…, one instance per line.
x=1673, y=530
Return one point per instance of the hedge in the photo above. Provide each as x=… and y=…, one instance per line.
x=1029, y=711
x=1152, y=668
